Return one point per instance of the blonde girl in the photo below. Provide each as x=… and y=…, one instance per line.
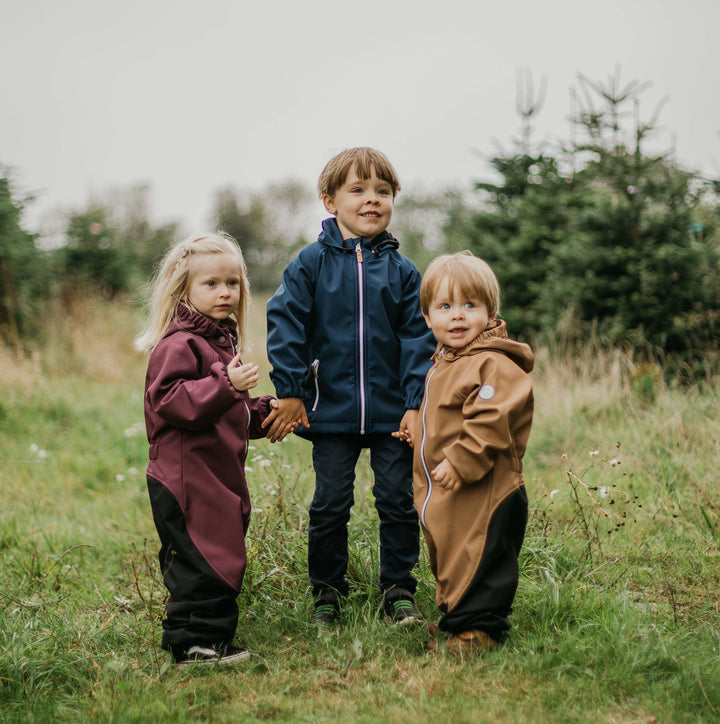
x=199, y=417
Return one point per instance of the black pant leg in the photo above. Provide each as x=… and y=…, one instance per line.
x=202, y=608
x=391, y=462
x=487, y=603
x=334, y=460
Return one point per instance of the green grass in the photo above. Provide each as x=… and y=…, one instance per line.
x=617, y=617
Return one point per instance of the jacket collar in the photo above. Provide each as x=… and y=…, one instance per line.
x=190, y=320
x=494, y=337
x=331, y=236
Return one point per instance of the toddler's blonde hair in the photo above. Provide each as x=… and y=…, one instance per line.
x=467, y=276
x=171, y=285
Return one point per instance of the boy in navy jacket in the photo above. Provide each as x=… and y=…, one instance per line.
x=350, y=349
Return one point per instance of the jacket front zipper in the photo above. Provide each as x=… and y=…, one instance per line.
x=422, y=450
x=361, y=334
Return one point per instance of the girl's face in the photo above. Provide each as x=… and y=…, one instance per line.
x=215, y=285
x=455, y=319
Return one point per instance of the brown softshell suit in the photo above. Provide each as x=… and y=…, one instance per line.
x=476, y=412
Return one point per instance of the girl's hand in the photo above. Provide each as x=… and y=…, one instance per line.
x=242, y=377
x=446, y=476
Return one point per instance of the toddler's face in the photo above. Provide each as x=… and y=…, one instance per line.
x=215, y=286
x=363, y=208
x=455, y=319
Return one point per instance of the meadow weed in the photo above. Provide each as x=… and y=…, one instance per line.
x=617, y=616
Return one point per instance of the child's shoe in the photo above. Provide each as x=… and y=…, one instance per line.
x=327, y=607
x=210, y=655
x=465, y=641
x=471, y=640
x=399, y=606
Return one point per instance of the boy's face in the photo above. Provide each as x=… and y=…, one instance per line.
x=454, y=319
x=363, y=208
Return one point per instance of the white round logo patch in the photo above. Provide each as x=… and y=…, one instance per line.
x=486, y=392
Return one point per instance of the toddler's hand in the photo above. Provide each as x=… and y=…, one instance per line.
x=242, y=377
x=446, y=476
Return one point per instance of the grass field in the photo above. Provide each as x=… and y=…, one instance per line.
x=617, y=617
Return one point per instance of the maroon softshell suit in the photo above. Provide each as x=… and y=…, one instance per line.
x=198, y=427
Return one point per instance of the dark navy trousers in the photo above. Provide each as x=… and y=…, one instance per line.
x=334, y=459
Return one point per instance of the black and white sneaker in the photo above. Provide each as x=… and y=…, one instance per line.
x=399, y=606
x=211, y=655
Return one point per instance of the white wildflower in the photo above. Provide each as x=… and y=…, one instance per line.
x=120, y=477
x=34, y=448
x=132, y=471
x=593, y=453
x=248, y=469
x=553, y=493
x=614, y=462
x=134, y=430
x=603, y=492
x=264, y=463
x=42, y=454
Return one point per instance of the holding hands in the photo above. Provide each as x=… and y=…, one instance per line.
x=406, y=431
x=286, y=415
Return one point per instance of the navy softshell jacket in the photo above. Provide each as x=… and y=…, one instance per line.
x=345, y=334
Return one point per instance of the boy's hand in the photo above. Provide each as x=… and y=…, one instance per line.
x=406, y=432
x=285, y=417
x=446, y=476
x=242, y=377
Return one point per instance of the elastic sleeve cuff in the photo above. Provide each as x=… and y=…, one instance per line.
x=221, y=371
x=413, y=403
x=283, y=392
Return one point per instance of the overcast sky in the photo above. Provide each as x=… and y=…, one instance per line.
x=188, y=97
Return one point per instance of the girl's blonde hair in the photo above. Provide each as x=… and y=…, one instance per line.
x=467, y=275
x=171, y=284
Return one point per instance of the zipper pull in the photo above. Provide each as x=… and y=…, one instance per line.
x=314, y=367
x=358, y=253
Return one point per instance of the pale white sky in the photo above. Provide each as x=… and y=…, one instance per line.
x=192, y=96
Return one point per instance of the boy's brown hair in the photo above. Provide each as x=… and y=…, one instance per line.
x=467, y=275
x=364, y=160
